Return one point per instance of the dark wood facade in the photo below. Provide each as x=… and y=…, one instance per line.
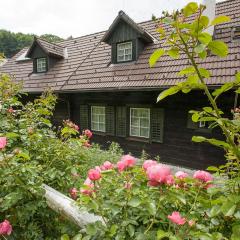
x=176, y=146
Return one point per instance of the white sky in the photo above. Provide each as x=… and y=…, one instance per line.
x=76, y=17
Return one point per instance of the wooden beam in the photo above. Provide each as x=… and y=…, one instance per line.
x=67, y=208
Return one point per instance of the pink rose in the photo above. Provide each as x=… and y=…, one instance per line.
x=94, y=174
x=76, y=127
x=121, y=166
x=107, y=166
x=149, y=163
x=125, y=162
x=98, y=168
x=169, y=180
x=158, y=173
x=89, y=187
x=3, y=142
x=129, y=160
x=176, y=218
x=153, y=183
x=181, y=175
x=73, y=193
x=5, y=228
x=203, y=176
x=87, y=133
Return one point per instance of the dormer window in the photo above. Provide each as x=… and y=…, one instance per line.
x=126, y=38
x=44, y=55
x=41, y=65
x=124, y=52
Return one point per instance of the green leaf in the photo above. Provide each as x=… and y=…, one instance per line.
x=205, y=38
x=218, y=143
x=134, y=202
x=203, y=54
x=215, y=210
x=204, y=21
x=213, y=169
x=228, y=208
x=77, y=237
x=199, y=48
x=131, y=230
x=113, y=230
x=65, y=237
x=187, y=71
x=195, y=117
x=235, y=232
x=173, y=53
x=168, y=92
x=218, y=48
x=237, y=76
x=151, y=207
x=161, y=234
x=224, y=88
x=190, y=9
x=91, y=229
x=198, y=139
x=220, y=19
x=155, y=56
x=204, y=72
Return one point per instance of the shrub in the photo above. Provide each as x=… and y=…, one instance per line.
x=31, y=154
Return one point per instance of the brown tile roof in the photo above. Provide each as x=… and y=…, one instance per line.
x=88, y=65
x=49, y=48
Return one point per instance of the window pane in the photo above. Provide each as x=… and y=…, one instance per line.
x=145, y=122
x=135, y=122
x=135, y=131
x=144, y=132
x=124, y=51
x=98, y=118
x=140, y=121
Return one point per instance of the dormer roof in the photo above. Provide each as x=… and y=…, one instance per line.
x=122, y=16
x=51, y=49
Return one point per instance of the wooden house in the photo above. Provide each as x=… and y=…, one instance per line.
x=104, y=83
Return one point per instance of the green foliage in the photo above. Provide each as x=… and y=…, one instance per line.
x=34, y=155
x=191, y=39
x=11, y=43
x=141, y=212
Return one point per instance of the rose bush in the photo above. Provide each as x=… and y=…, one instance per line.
x=139, y=202
x=33, y=153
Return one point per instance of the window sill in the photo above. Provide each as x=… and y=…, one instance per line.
x=138, y=139
x=99, y=133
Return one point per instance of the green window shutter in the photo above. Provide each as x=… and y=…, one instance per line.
x=110, y=120
x=121, y=121
x=190, y=123
x=157, y=120
x=84, y=119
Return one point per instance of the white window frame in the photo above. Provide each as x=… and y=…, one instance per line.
x=133, y=135
x=125, y=54
x=98, y=122
x=41, y=65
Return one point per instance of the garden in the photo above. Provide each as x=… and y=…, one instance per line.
x=134, y=198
